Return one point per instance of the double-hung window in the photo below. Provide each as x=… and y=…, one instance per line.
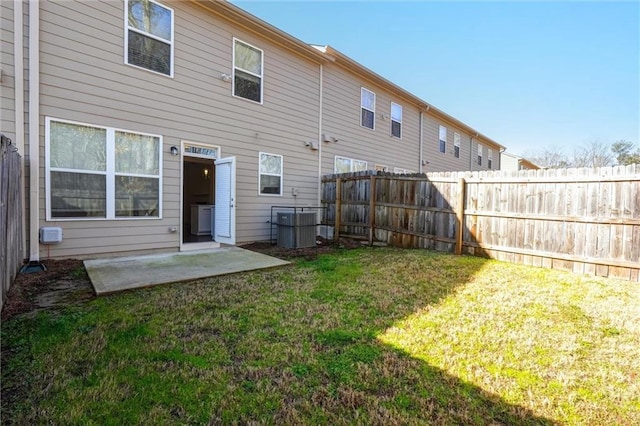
x=396, y=120
x=442, y=136
x=149, y=36
x=367, y=108
x=347, y=165
x=456, y=145
x=489, y=158
x=479, y=155
x=247, y=71
x=101, y=173
x=270, y=181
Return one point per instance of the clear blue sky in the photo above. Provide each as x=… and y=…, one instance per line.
x=529, y=75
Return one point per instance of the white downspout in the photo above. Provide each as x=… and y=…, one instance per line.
x=18, y=76
x=320, y=136
x=34, y=130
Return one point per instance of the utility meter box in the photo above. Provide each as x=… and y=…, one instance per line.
x=50, y=235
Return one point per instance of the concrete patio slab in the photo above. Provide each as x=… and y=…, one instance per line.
x=126, y=273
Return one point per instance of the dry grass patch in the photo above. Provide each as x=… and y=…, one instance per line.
x=367, y=336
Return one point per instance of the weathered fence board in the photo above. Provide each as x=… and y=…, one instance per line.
x=11, y=246
x=581, y=220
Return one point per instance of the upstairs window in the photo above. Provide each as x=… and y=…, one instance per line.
x=347, y=165
x=247, y=71
x=396, y=120
x=456, y=145
x=479, y=155
x=368, y=108
x=149, y=36
x=489, y=158
x=270, y=174
x=443, y=139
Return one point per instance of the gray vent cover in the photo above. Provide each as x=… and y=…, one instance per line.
x=296, y=230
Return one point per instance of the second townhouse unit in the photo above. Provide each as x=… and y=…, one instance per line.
x=153, y=126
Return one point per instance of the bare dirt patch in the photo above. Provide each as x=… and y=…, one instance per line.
x=322, y=246
x=64, y=282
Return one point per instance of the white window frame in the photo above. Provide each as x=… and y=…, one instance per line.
x=381, y=168
x=280, y=175
x=479, y=155
x=126, y=38
x=442, y=138
x=402, y=171
x=110, y=173
x=456, y=144
x=489, y=158
x=352, y=164
x=362, y=90
x=260, y=76
x=392, y=120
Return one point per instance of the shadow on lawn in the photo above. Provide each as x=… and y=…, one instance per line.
x=401, y=388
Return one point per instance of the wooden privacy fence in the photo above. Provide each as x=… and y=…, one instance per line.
x=581, y=220
x=11, y=247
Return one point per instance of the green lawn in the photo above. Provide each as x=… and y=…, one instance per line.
x=366, y=336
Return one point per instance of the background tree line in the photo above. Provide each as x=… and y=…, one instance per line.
x=592, y=154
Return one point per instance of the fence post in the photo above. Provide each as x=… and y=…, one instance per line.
x=460, y=216
x=336, y=225
x=372, y=208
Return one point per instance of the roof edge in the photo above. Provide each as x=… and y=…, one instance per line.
x=359, y=69
x=257, y=26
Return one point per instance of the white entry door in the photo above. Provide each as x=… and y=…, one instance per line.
x=225, y=213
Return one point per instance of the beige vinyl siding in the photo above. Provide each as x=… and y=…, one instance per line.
x=495, y=164
x=7, y=86
x=84, y=78
x=447, y=161
x=341, y=119
x=443, y=162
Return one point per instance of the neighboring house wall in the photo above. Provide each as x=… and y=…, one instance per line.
x=341, y=119
x=84, y=79
x=514, y=163
x=9, y=64
x=7, y=85
x=438, y=161
x=509, y=162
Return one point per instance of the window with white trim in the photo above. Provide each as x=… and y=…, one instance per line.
x=401, y=171
x=248, y=62
x=381, y=168
x=270, y=180
x=456, y=145
x=442, y=137
x=479, y=155
x=367, y=108
x=396, y=120
x=347, y=165
x=149, y=36
x=489, y=158
x=100, y=172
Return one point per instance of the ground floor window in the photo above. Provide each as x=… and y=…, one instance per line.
x=270, y=174
x=347, y=165
x=96, y=172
